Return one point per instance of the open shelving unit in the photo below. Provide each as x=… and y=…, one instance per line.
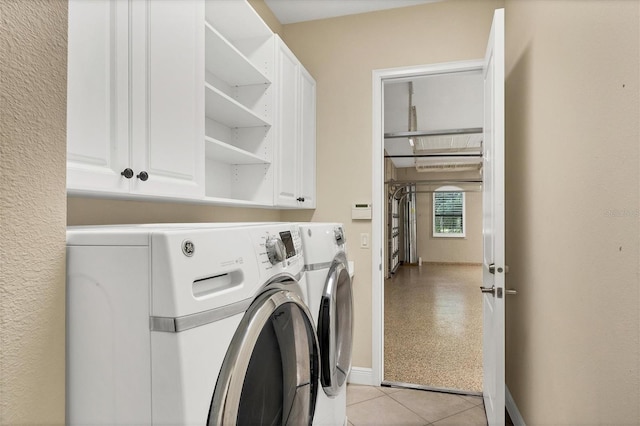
x=239, y=105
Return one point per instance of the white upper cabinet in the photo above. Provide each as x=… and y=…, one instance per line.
x=98, y=128
x=296, y=132
x=307, y=157
x=193, y=100
x=288, y=72
x=135, y=122
x=168, y=70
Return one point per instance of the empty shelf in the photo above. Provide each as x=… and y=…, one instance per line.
x=228, y=63
x=225, y=110
x=229, y=154
x=236, y=20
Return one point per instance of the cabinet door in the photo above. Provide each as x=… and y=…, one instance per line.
x=98, y=96
x=288, y=68
x=307, y=142
x=168, y=97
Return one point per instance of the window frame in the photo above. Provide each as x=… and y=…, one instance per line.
x=435, y=234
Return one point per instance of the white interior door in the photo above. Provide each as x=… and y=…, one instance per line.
x=494, y=268
x=493, y=225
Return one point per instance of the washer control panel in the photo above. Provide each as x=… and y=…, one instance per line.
x=276, y=249
x=278, y=246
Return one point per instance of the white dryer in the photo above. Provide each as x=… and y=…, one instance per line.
x=189, y=325
x=330, y=299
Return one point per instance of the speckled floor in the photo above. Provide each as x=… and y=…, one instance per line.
x=433, y=326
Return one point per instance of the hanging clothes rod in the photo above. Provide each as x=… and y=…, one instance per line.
x=419, y=133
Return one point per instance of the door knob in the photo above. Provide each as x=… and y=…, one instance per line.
x=143, y=176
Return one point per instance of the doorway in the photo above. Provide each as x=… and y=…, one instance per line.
x=431, y=125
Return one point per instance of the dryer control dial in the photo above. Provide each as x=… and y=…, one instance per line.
x=276, y=250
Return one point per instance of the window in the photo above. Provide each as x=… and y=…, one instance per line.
x=448, y=212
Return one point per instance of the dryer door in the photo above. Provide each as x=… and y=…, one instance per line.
x=335, y=327
x=270, y=372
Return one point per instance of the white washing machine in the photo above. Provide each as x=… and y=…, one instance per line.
x=189, y=324
x=330, y=299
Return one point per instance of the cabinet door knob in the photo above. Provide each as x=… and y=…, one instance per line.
x=143, y=176
x=301, y=199
x=128, y=173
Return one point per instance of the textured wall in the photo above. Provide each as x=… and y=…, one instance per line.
x=572, y=159
x=341, y=54
x=33, y=54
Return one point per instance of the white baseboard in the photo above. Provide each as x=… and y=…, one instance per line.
x=512, y=408
x=361, y=376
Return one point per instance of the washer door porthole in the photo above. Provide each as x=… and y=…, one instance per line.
x=270, y=372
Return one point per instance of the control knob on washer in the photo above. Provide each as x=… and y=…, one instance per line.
x=275, y=250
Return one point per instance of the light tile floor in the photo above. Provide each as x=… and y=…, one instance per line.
x=369, y=405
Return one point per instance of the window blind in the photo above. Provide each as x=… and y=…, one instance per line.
x=448, y=212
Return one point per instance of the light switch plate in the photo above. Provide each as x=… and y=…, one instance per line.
x=364, y=240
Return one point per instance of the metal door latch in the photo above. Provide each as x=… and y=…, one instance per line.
x=491, y=290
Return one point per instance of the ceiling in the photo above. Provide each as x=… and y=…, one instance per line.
x=443, y=103
x=292, y=11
